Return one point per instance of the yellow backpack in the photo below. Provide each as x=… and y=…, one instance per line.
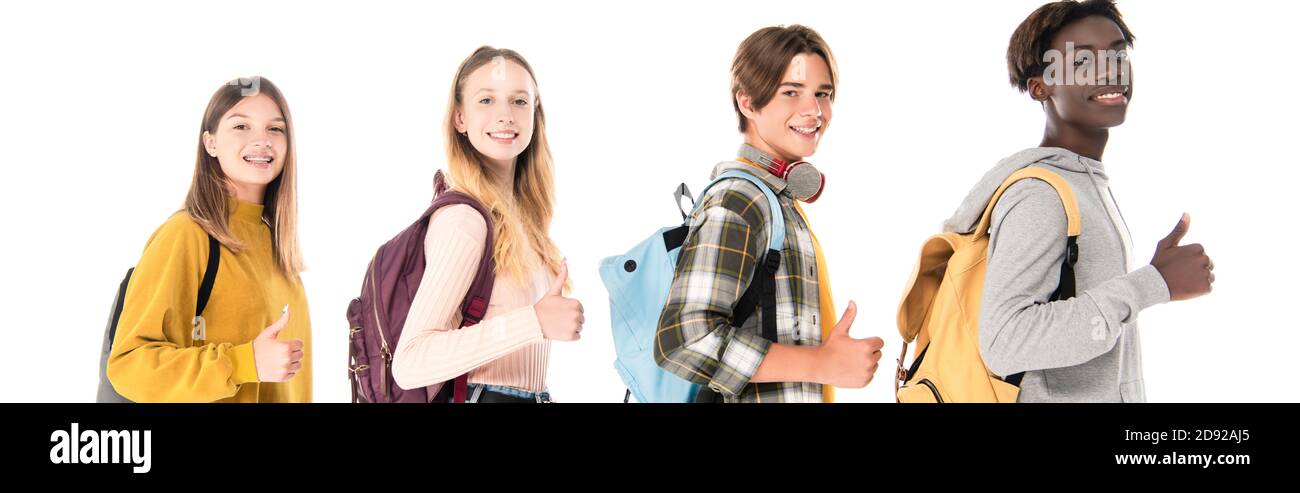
x=940, y=310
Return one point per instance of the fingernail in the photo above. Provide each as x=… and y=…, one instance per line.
x=285, y=310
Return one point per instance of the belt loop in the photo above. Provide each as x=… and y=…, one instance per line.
x=478, y=391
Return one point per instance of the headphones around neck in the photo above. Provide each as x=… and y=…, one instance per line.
x=802, y=179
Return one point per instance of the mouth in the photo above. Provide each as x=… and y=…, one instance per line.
x=808, y=132
x=1111, y=96
x=503, y=136
x=261, y=161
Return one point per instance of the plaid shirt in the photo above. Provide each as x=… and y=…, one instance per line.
x=728, y=237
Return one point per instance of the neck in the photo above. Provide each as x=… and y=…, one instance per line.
x=1086, y=142
x=503, y=179
x=249, y=193
x=752, y=138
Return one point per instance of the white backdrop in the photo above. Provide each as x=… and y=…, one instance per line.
x=101, y=103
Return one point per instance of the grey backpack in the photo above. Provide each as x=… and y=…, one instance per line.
x=106, y=391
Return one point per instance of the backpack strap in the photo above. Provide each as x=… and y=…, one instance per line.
x=476, y=300
x=200, y=325
x=762, y=289
x=1073, y=222
x=1066, y=289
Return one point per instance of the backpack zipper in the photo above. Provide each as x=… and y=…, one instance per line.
x=383, y=341
x=928, y=383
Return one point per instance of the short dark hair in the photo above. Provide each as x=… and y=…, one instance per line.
x=763, y=57
x=1034, y=36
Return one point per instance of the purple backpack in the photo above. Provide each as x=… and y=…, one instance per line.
x=377, y=316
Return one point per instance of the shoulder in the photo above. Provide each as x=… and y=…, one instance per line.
x=178, y=232
x=740, y=197
x=458, y=221
x=1031, y=203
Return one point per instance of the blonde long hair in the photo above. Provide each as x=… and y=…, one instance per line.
x=208, y=201
x=527, y=219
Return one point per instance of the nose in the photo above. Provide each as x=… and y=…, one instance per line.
x=505, y=114
x=811, y=106
x=261, y=139
x=1114, y=70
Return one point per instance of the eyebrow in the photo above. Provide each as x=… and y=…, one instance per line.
x=491, y=90
x=241, y=115
x=800, y=85
x=1113, y=44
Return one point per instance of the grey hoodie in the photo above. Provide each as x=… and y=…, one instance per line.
x=1084, y=349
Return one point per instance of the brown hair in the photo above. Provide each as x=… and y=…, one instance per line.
x=526, y=220
x=208, y=201
x=763, y=57
x=1033, y=37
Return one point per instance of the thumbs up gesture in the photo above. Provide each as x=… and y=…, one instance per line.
x=1187, y=270
x=276, y=360
x=845, y=361
x=561, y=318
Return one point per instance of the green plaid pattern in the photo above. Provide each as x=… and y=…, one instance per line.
x=697, y=340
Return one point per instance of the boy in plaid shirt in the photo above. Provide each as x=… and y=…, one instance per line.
x=783, y=82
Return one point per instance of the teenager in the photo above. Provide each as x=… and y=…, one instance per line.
x=783, y=86
x=1072, y=58
x=497, y=154
x=253, y=340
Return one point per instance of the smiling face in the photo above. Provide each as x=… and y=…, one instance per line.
x=791, y=124
x=496, y=113
x=250, y=141
x=1096, y=102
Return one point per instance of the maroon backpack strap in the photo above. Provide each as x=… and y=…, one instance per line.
x=480, y=290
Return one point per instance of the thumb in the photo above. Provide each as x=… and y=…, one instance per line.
x=846, y=321
x=557, y=286
x=1179, y=231
x=273, y=331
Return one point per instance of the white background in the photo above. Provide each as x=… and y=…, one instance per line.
x=101, y=104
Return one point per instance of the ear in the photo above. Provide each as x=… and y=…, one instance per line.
x=209, y=143
x=1039, y=90
x=746, y=105
x=458, y=119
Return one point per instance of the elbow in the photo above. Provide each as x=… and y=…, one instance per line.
x=401, y=371
x=410, y=372
x=128, y=383
x=663, y=353
x=675, y=358
x=120, y=382
x=994, y=354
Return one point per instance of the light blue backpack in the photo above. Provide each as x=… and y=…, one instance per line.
x=638, y=283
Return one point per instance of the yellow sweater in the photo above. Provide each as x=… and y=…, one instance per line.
x=154, y=358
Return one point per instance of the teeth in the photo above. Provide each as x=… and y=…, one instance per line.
x=805, y=130
x=1109, y=95
x=258, y=159
x=502, y=135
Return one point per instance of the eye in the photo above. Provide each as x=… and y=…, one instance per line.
x=240, y=126
x=485, y=101
x=824, y=95
x=520, y=102
x=791, y=93
x=277, y=129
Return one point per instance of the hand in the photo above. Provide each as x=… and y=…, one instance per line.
x=276, y=360
x=845, y=361
x=561, y=318
x=1188, y=272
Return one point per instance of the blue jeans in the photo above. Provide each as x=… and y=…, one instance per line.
x=510, y=394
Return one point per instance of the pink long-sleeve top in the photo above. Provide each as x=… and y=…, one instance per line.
x=505, y=348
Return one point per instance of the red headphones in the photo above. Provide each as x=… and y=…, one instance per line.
x=803, y=180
